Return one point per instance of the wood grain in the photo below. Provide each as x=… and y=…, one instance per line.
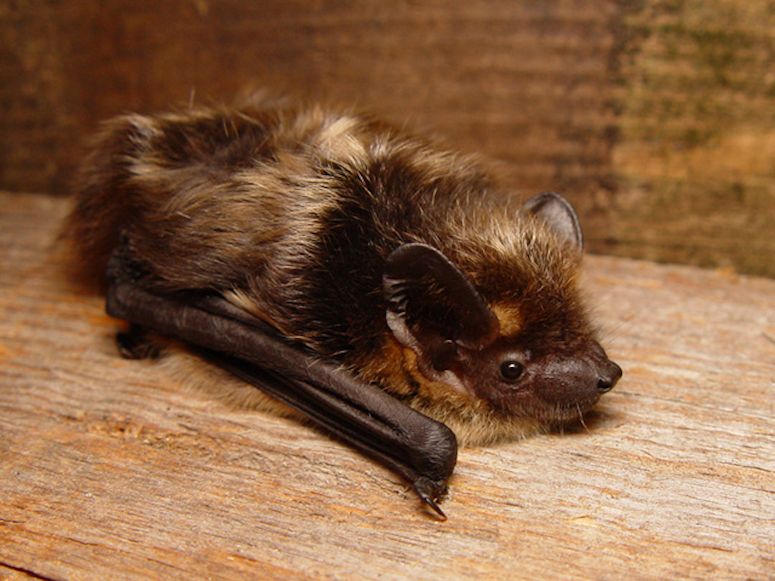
x=110, y=469
x=524, y=83
x=655, y=118
x=694, y=159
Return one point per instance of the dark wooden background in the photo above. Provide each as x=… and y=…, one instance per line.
x=657, y=118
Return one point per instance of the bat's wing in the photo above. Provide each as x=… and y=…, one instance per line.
x=418, y=448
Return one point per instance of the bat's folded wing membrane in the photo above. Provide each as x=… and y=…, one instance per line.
x=418, y=448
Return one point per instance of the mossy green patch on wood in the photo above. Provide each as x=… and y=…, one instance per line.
x=695, y=164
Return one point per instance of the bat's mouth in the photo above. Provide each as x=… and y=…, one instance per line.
x=563, y=412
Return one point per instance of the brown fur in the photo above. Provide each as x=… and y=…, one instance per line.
x=289, y=212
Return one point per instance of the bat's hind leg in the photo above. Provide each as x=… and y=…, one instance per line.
x=136, y=343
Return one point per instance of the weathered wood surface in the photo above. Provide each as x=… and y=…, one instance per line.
x=694, y=159
x=655, y=117
x=523, y=82
x=110, y=469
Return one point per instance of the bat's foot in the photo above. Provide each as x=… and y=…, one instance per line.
x=135, y=344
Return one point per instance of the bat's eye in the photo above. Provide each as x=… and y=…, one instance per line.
x=511, y=370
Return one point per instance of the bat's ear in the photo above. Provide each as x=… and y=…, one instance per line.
x=558, y=214
x=432, y=306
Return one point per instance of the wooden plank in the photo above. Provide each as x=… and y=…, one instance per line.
x=656, y=119
x=112, y=468
x=524, y=83
x=694, y=161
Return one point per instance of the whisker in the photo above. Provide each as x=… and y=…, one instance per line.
x=581, y=417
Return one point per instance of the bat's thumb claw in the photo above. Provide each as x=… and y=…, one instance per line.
x=432, y=503
x=430, y=493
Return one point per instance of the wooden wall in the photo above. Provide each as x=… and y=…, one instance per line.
x=655, y=117
x=695, y=162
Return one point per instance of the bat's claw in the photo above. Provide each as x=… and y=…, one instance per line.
x=135, y=344
x=431, y=493
x=432, y=503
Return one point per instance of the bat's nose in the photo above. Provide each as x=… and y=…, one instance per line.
x=609, y=375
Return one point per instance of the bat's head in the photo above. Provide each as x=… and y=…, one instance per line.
x=501, y=322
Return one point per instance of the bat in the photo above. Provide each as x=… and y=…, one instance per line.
x=375, y=282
